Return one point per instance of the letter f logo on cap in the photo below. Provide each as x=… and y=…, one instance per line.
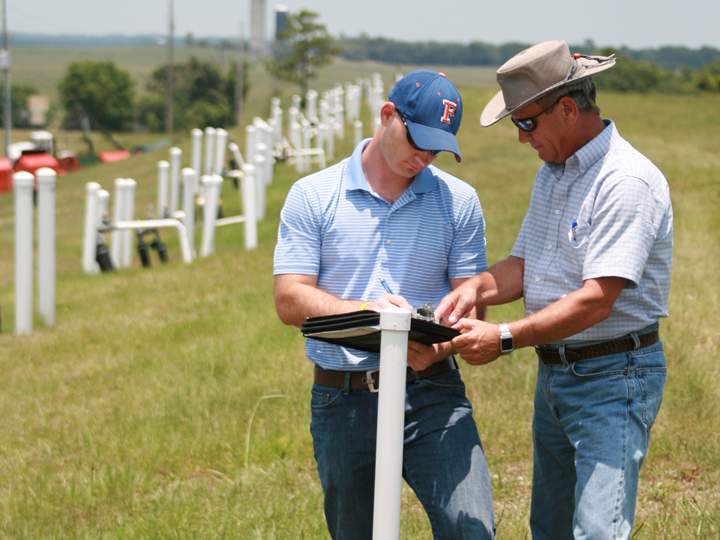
x=450, y=108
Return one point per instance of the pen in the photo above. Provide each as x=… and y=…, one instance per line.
x=385, y=285
x=574, y=226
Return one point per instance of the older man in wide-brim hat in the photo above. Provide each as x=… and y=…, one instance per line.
x=592, y=262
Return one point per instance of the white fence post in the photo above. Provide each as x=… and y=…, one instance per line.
x=91, y=228
x=175, y=159
x=46, y=179
x=250, y=143
x=209, y=150
x=249, y=196
x=116, y=249
x=162, y=195
x=23, y=183
x=260, y=186
x=128, y=212
x=220, y=149
x=196, y=163
x=188, y=176
x=394, y=325
x=212, y=186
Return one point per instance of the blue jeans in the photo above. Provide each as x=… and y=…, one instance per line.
x=591, y=430
x=443, y=459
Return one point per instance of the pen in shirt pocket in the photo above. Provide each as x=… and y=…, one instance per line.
x=574, y=229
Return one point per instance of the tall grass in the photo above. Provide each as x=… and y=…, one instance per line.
x=141, y=413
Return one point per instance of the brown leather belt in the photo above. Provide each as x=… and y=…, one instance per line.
x=552, y=356
x=370, y=380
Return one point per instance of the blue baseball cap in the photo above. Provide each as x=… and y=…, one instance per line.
x=432, y=109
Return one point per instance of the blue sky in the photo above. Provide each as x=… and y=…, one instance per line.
x=635, y=23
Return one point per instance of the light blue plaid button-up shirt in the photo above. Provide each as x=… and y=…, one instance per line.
x=605, y=212
x=335, y=227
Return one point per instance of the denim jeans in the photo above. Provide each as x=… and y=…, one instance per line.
x=443, y=459
x=591, y=430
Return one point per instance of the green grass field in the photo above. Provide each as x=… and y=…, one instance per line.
x=172, y=403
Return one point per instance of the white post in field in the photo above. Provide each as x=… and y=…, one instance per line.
x=221, y=138
x=175, y=160
x=196, y=156
x=118, y=237
x=46, y=179
x=209, y=150
x=250, y=206
x=188, y=176
x=212, y=185
x=128, y=212
x=23, y=183
x=260, y=186
x=394, y=327
x=91, y=228
x=250, y=143
x=162, y=196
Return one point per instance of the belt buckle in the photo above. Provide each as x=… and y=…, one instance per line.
x=370, y=381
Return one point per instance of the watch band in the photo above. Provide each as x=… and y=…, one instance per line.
x=507, y=343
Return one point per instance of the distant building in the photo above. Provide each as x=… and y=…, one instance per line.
x=258, y=44
x=281, y=15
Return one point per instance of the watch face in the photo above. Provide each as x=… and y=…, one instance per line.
x=506, y=344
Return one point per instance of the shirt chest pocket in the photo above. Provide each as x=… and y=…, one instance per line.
x=573, y=244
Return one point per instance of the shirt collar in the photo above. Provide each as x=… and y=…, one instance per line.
x=424, y=180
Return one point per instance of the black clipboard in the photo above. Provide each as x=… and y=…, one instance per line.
x=361, y=330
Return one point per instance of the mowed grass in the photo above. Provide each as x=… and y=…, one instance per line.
x=172, y=403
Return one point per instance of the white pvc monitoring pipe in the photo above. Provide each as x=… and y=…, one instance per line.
x=127, y=215
x=196, y=163
x=394, y=327
x=188, y=176
x=221, y=138
x=91, y=229
x=162, y=189
x=175, y=160
x=46, y=179
x=126, y=226
x=209, y=150
x=23, y=183
x=212, y=186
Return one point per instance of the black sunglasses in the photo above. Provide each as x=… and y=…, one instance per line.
x=410, y=139
x=529, y=124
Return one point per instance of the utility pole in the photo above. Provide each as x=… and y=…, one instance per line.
x=170, y=77
x=5, y=66
x=240, y=75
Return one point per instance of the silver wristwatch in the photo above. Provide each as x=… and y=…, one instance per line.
x=507, y=344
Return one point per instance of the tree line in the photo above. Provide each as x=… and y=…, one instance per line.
x=478, y=53
x=204, y=94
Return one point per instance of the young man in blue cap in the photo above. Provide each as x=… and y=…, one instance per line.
x=387, y=215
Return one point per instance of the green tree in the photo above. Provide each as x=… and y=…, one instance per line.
x=19, y=108
x=202, y=96
x=302, y=48
x=708, y=78
x=105, y=91
x=630, y=75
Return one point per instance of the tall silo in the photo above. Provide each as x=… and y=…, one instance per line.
x=257, y=27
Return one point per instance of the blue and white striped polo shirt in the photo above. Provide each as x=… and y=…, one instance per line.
x=335, y=227
x=605, y=212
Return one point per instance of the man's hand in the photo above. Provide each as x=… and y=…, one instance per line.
x=457, y=304
x=421, y=357
x=388, y=300
x=479, y=342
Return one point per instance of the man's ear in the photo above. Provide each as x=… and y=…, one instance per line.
x=386, y=112
x=569, y=109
